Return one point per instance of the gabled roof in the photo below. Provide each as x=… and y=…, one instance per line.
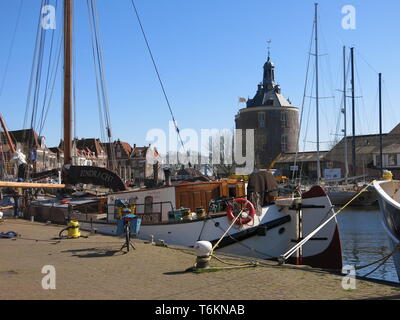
x=395, y=130
x=125, y=146
x=93, y=145
x=139, y=152
x=24, y=136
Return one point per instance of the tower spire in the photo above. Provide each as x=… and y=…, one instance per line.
x=269, y=49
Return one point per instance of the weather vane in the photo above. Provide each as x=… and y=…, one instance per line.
x=269, y=48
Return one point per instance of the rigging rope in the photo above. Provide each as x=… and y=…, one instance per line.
x=11, y=47
x=285, y=256
x=303, y=102
x=101, y=88
x=158, y=75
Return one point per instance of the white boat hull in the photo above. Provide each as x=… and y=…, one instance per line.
x=389, y=204
x=272, y=234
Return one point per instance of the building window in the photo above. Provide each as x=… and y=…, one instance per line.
x=284, y=120
x=377, y=161
x=261, y=119
x=392, y=160
x=148, y=205
x=284, y=143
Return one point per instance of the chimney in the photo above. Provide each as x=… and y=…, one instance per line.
x=155, y=174
x=167, y=174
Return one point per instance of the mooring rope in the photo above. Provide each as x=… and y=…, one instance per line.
x=226, y=232
x=285, y=256
x=383, y=260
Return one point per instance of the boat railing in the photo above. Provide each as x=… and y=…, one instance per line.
x=148, y=212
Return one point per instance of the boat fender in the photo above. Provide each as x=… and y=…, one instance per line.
x=243, y=203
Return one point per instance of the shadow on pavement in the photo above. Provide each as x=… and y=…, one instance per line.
x=94, y=253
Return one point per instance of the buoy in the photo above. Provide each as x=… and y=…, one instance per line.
x=203, y=250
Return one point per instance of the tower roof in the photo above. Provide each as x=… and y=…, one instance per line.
x=269, y=93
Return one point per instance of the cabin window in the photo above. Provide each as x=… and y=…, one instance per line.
x=232, y=190
x=148, y=205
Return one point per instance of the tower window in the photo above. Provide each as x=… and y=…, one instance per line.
x=284, y=120
x=284, y=143
x=261, y=119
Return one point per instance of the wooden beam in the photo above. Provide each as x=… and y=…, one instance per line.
x=7, y=134
x=25, y=185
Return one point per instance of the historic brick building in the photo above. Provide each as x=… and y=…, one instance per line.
x=274, y=120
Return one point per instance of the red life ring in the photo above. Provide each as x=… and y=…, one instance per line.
x=245, y=205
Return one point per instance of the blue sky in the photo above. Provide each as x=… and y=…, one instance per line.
x=209, y=53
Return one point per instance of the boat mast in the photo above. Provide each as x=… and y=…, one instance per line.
x=317, y=92
x=346, y=162
x=353, y=102
x=380, y=123
x=68, y=4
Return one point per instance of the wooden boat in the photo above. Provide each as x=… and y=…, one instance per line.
x=272, y=231
x=389, y=203
x=268, y=232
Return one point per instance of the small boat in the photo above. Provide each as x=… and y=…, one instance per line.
x=389, y=202
x=341, y=195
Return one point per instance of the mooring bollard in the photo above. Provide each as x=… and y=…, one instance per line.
x=203, y=250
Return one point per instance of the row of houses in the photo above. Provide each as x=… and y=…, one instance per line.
x=367, y=156
x=134, y=164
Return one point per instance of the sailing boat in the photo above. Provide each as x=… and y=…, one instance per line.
x=268, y=233
x=341, y=194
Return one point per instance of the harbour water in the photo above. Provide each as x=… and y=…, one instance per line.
x=364, y=241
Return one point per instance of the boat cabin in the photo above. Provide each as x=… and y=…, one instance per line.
x=158, y=205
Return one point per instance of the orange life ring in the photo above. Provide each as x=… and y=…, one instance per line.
x=248, y=207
